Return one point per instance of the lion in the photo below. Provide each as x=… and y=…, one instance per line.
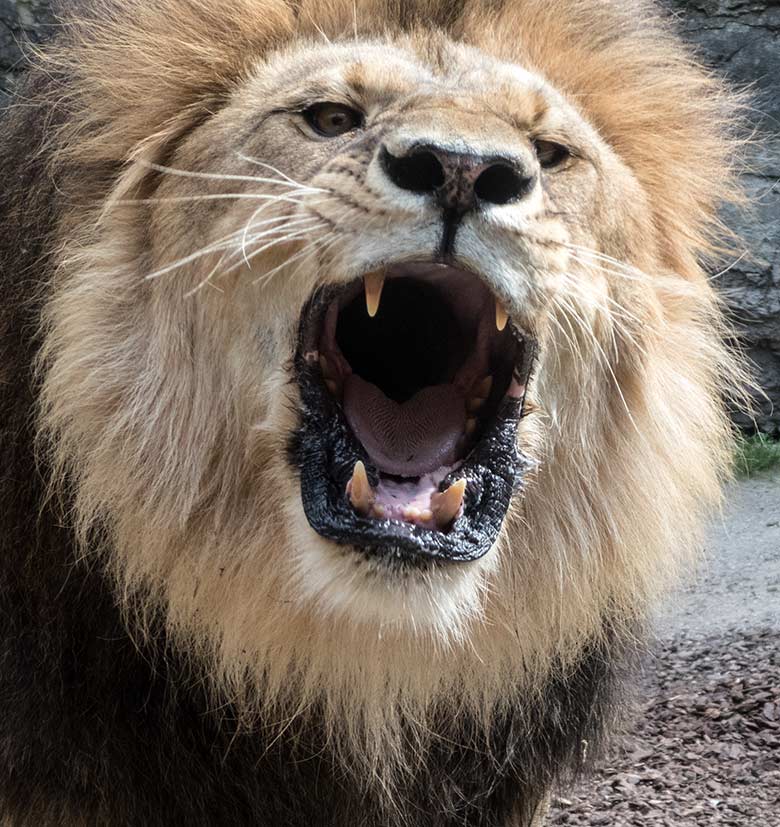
x=362, y=392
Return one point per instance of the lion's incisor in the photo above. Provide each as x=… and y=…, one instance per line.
x=196, y=213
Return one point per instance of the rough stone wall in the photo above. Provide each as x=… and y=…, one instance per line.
x=740, y=38
x=21, y=21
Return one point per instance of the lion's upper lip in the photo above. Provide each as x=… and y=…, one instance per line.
x=418, y=367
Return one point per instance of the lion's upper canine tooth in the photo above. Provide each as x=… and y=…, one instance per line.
x=446, y=506
x=373, y=283
x=501, y=316
x=359, y=489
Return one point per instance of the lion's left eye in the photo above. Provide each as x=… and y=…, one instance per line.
x=332, y=119
x=551, y=154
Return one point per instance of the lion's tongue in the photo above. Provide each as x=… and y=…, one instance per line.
x=410, y=439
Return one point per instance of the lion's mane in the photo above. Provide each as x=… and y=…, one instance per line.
x=146, y=474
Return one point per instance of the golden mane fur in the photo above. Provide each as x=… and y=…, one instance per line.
x=183, y=479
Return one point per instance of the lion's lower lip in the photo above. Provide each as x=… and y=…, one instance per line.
x=421, y=461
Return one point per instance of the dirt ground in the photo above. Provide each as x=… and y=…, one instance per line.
x=702, y=744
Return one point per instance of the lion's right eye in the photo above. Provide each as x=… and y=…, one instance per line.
x=332, y=119
x=551, y=154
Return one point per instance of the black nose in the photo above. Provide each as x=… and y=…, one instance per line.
x=460, y=181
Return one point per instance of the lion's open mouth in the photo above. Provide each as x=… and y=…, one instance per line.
x=413, y=382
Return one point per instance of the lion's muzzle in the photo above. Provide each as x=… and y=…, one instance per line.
x=413, y=381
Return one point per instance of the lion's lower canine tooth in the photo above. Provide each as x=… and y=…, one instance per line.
x=359, y=489
x=501, y=316
x=446, y=506
x=373, y=283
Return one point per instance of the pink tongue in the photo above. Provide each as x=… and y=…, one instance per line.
x=411, y=439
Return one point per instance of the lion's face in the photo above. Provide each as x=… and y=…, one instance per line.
x=414, y=222
x=390, y=351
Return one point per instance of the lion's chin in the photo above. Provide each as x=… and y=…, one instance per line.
x=412, y=382
x=395, y=595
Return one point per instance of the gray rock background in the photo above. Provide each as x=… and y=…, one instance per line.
x=740, y=38
x=21, y=21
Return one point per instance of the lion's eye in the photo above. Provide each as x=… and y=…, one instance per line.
x=551, y=154
x=332, y=119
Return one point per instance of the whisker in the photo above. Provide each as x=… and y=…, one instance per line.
x=219, y=176
x=293, y=236
x=571, y=337
x=330, y=239
x=229, y=253
x=265, y=277
x=208, y=278
x=729, y=268
x=297, y=225
x=250, y=160
x=573, y=346
x=258, y=163
x=307, y=219
x=623, y=269
x=226, y=242
x=204, y=251
x=280, y=239
x=618, y=317
x=322, y=242
x=605, y=362
x=223, y=196
x=610, y=271
x=251, y=222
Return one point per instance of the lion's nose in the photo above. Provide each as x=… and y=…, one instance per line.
x=458, y=180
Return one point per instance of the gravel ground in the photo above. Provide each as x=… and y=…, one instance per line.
x=739, y=584
x=702, y=745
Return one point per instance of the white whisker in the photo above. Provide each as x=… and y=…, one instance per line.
x=218, y=176
x=293, y=236
x=610, y=271
x=603, y=359
x=251, y=222
x=208, y=278
x=229, y=196
x=264, y=165
x=622, y=268
x=265, y=277
x=729, y=268
x=204, y=251
x=571, y=336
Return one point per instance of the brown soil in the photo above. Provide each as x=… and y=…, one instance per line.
x=702, y=746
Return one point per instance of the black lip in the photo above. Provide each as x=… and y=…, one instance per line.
x=325, y=451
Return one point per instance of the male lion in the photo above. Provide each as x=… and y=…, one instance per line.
x=361, y=389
